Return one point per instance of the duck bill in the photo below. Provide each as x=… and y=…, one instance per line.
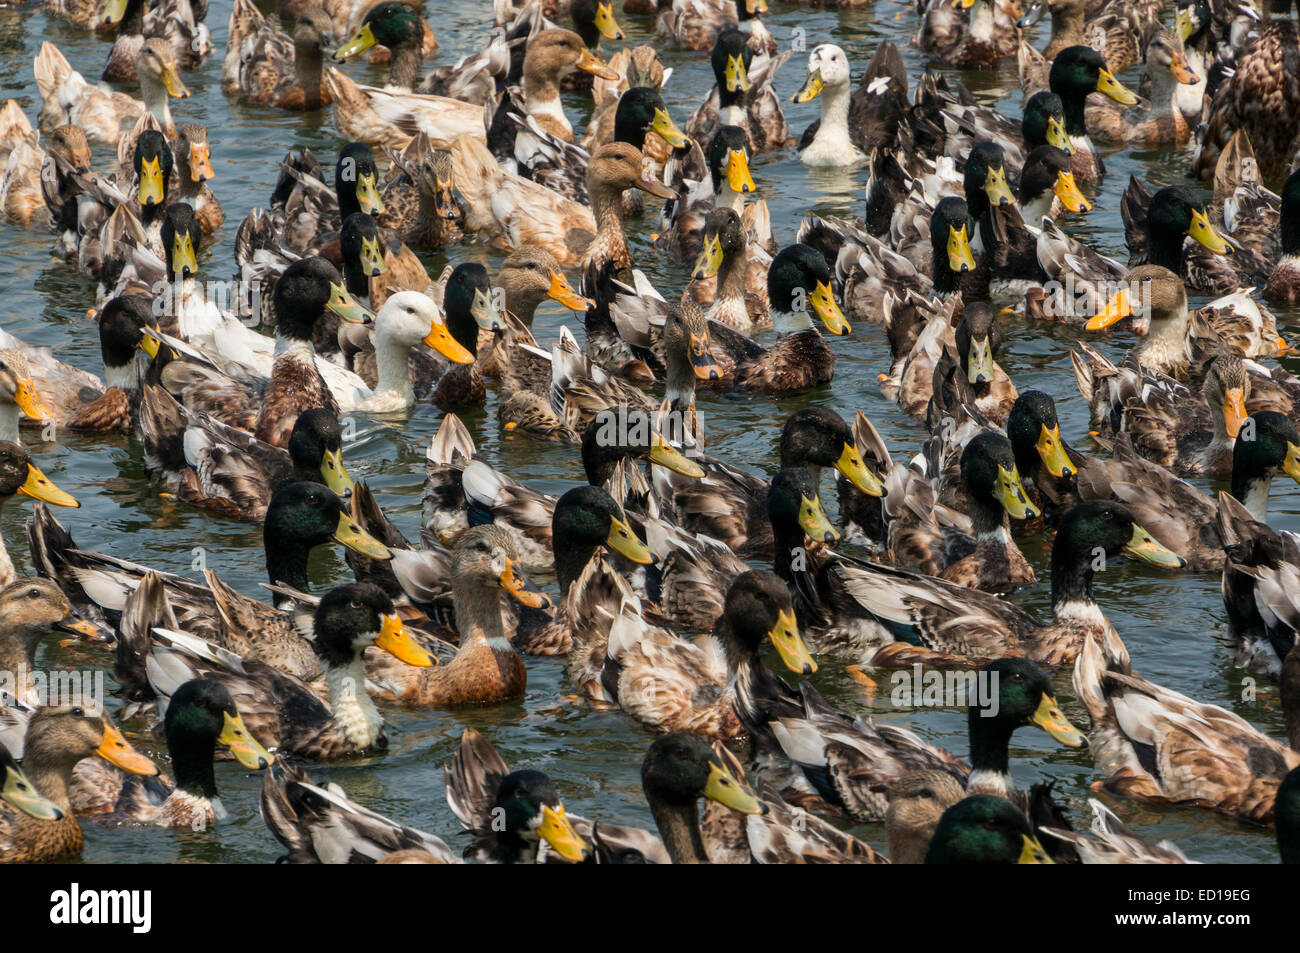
x=1204, y=233
x=623, y=540
x=755, y=7
x=184, y=261
x=811, y=89
x=1143, y=546
x=74, y=624
x=444, y=199
x=785, y=639
x=149, y=342
x=1033, y=14
x=38, y=487
x=667, y=130
x=826, y=308
x=710, y=260
x=655, y=188
x=1057, y=136
x=1184, y=24
x=1067, y=190
x=151, y=188
x=960, y=258
x=345, y=306
x=372, y=259
x=397, y=642
x=246, y=749
x=996, y=187
x=20, y=793
x=28, y=401
x=116, y=750
x=813, y=521
x=201, y=163
x=738, y=176
x=484, y=312
x=440, y=339
x=736, y=75
x=980, y=368
x=963, y=4
x=171, y=80
x=563, y=292
x=1291, y=465
x=1110, y=86
x=334, y=474
x=703, y=362
x=556, y=830
x=1051, y=450
x=856, y=471
x=368, y=194
x=1182, y=72
x=1031, y=852
x=348, y=533
x=522, y=589
x=664, y=454
x=1052, y=720
x=1117, y=309
x=723, y=787
x=114, y=10
x=359, y=42
x=1234, y=410
x=589, y=62
x=606, y=23
x=1010, y=492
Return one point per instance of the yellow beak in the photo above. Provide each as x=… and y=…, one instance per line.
x=1234, y=410
x=736, y=74
x=368, y=194
x=996, y=187
x=1010, y=492
x=664, y=454
x=201, y=163
x=1068, y=192
x=823, y=302
x=115, y=750
x=1052, y=720
x=345, y=306
x=624, y=541
x=606, y=23
x=785, y=638
x=1142, y=545
x=27, y=400
x=246, y=749
x=1204, y=232
x=588, y=62
x=959, y=254
x=1182, y=72
x=1291, y=465
x=556, y=830
x=184, y=261
x=1057, y=136
x=811, y=89
x=1052, y=451
x=1110, y=86
x=710, y=260
x=703, y=362
x=485, y=312
x=372, y=259
x=152, y=188
x=723, y=787
x=172, y=80
x=1183, y=23
x=350, y=534
x=667, y=130
x=359, y=42
x=1032, y=852
x=114, y=10
x=1117, y=309
x=756, y=7
x=150, y=344
x=440, y=339
x=563, y=292
x=980, y=366
x=39, y=487
x=397, y=642
x=738, y=176
x=812, y=518
x=521, y=588
x=856, y=472
x=334, y=473
x=22, y=794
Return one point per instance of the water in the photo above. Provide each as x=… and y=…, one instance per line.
x=1169, y=623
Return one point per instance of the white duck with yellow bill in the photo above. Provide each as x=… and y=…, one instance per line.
x=829, y=77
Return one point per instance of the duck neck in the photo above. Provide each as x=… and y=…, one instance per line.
x=1166, y=347
x=350, y=703
x=404, y=68
x=1290, y=227
x=679, y=382
x=607, y=209
x=307, y=61
x=192, y=764
x=429, y=227
x=679, y=826
x=990, y=741
x=132, y=22
x=835, y=112
x=16, y=657
x=989, y=520
x=570, y=560
x=155, y=98
x=1072, y=584
x=981, y=21
x=791, y=322
x=1165, y=248
x=946, y=282
x=51, y=773
x=733, y=276
x=1164, y=92
x=1252, y=490
x=392, y=366
x=479, y=616
x=729, y=198
x=286, y=561
x=1072, y=109
x=542, y=96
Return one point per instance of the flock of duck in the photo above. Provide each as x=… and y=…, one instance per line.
x=659, y=611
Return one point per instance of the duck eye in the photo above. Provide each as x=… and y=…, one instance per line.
x=926, y=794
x=1017, y=678
x=355, y=604
x=77, y=713
x=33, y=593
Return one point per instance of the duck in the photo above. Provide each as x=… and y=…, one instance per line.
x=669, y=684
x=695, y=24
x=467, y=298
x=374, y=268
x=193, y=164
x=983, y=829
x=729, y=504
x=1258, y=100
x=101, y=114
x=173, y=20
x=264, y=65
x=742, y=95
x=831, y=144
x=981, y=42
x=85, y=14
x=739, y=298
x=1283, y=287
x=1111, y=841
x=19, y=398
x=727, y=183
x=427, y=214
x=1077, y=71
x=530, y=276
x=1156, y=227
x=1239, y=769
x=57, y=738
x=917, y=801
x=67, y=158
x=390, y=117
x=1161, y=120
x=679, y=769
x=34, y=608
x=850, y=763
x=20, y=476
x=282, y=712
x=398, y=26
x=1118, y=31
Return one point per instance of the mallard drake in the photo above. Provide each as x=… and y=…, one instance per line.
x=375, y=268
x=1283, y=287
x=850, y=763
x=321, y=825
x=468, y=302
x=985, y=830
x=981, y=42
x=172, y=20
x=396, y=25
x=742, y=95
x=1156, y=226
x=18, y=475
x=68, y=98
x=1076, y=72
x=193, y=164
x=724, y=182
x=267, y=66
x=1238, y=769
x=670, y=684
x=960, y=360
x=57, y=738
x=1118, y=31
x=1161, y=120
x=731, y=505
x=1258, y=99
x=678, y=770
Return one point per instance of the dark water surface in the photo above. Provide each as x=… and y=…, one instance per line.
x=1170, y=624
